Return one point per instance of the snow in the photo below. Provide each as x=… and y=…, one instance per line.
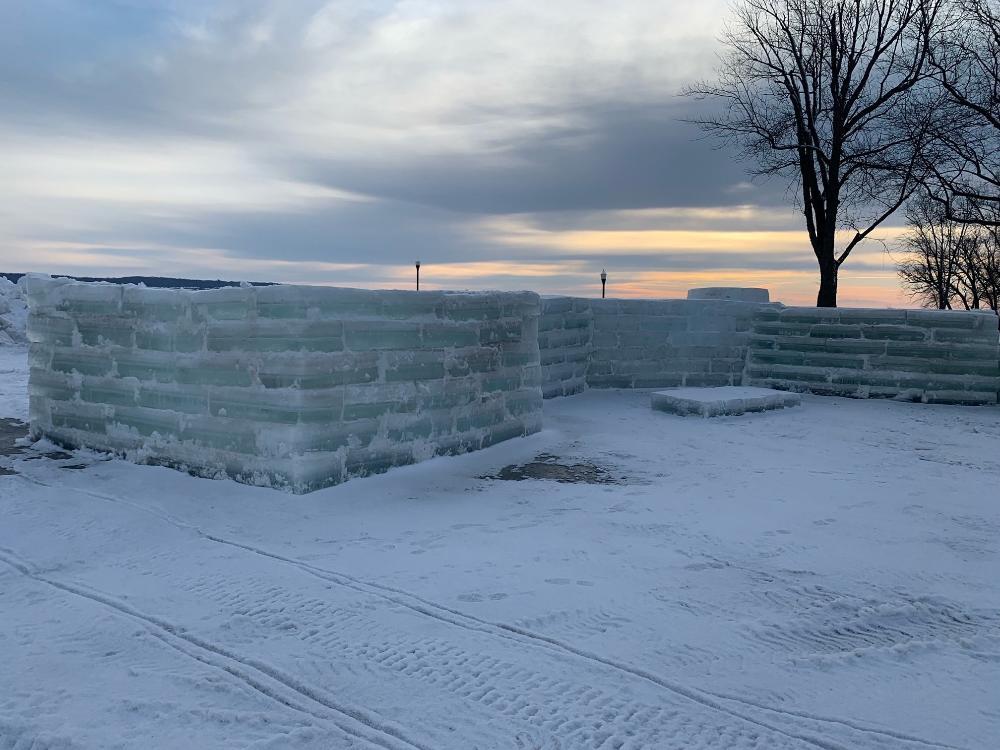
x=824, y=577
x=725, y=400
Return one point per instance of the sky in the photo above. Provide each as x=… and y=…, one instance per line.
x=508, y=144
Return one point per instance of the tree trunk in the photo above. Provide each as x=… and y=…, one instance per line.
x=827, y=296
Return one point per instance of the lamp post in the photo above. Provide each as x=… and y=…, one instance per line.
x=604, y=281
x=417, y=264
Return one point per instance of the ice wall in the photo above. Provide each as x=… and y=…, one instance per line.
x=565, y=341
x=616, y=343
x=668, y=343
x=927, y=355
x=285, y=386
x=302, y=387
x=940, y=356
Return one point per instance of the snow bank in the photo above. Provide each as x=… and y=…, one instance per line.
x=13, y=313
x=286, y=386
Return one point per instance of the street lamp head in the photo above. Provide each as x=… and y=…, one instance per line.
x=417, y=264
x=604, y=275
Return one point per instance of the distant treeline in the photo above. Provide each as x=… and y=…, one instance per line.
x=157, y=281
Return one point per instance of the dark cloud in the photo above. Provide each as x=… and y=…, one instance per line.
x=617, y=155
x=377, y=232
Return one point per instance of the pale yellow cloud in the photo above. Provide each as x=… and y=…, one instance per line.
x=517, y=231
x=747, y=212
x=655, y=241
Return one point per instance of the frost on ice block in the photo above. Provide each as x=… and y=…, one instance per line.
x=717, y=402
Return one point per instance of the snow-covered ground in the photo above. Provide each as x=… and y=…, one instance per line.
x=820, y=577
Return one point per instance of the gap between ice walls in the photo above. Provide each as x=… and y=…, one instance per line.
x=303, y=387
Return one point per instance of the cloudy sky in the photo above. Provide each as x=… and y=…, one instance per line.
x=506, y=144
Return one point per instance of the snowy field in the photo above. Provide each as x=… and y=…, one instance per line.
x=826, y=576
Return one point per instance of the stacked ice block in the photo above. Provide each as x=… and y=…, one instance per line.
x=934, y=356
x=565, y=342
x=286, y=386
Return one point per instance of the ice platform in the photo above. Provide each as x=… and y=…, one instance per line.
x=723, y=401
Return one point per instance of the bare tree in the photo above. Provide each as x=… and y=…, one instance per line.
x=834, y=95
x=964, y=160
x=947, y=263
x=979, y=277
x=989, y=264
x=934, y=251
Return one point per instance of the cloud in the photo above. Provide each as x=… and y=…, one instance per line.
x=609, y=155
x=509, y=143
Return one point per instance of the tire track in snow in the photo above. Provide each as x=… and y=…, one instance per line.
x=825, y=625
x=878, y=626
x=576, y=622
x=565, y=712
x=805, y=715
x=558, y=703
x=259, y=676
x=523, y=636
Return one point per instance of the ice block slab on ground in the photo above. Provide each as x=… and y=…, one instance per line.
x=722, y=401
